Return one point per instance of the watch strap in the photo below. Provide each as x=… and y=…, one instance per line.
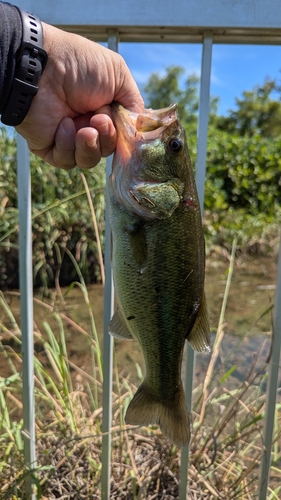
x=31, y=61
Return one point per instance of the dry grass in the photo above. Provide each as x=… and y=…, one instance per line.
x=227, y=426
x=224, y=456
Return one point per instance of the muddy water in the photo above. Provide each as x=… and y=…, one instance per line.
x=252, y=292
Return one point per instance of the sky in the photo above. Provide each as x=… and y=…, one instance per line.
x=235, y=68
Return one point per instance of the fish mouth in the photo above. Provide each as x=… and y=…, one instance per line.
x=146, y=121
x=136, y=133
x=152, y=120
x=146, y=126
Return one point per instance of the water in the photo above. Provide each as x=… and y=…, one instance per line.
x=251, y=294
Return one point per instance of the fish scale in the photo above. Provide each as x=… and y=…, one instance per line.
x=158, y=261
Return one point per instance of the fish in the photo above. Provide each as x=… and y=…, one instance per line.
x=158, y=261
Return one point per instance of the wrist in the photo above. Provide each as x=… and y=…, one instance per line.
x=31, y=60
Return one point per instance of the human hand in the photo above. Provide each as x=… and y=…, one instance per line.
x=69, y=122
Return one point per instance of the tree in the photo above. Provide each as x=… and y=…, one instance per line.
x=257, y=113
x=160, y=92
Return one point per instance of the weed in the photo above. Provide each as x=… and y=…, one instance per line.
x=226, y=445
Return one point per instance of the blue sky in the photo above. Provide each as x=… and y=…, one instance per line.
x=235, y=68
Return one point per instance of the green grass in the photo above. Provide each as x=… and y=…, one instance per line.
x=227, y=421
x=68, y=209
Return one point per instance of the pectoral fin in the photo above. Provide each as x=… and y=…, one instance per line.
x=118, y=328
x=138, y=244
x=199, y=338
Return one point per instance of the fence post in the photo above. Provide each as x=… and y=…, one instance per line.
x=272, y=385
x=107, y=356
x=26, y=311
x=107, y=339
x=202, y=136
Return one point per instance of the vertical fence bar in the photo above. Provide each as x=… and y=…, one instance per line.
x=271, y=388
x=203, y=117
x=107, y=339
x=26, y=311
x=107, y=356
x=202, y=137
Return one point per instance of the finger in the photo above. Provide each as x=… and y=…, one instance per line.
x=107, y=132
x=96, y=141
x=62, y=154
x=87, y=151
x=104, y=110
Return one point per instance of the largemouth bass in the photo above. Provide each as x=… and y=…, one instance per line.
x=158, y=260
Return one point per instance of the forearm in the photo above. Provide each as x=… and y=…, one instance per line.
x=10, y=40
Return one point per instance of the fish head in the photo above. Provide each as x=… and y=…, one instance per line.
x=151, y=150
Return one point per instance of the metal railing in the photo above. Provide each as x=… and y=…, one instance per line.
x=24, y=202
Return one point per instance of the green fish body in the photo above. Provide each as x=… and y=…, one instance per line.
x=158, y=261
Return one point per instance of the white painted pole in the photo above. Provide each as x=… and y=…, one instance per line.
x=107, y=356
x=271, y=388
x=26, y=311
x=202, y=137
x=203, y=118
x=107, y=339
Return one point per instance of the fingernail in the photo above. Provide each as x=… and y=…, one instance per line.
x=104, y=128
x=92, y=143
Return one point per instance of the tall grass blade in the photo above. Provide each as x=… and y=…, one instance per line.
x=218, y=338
x=97, y=352
x=95, y=226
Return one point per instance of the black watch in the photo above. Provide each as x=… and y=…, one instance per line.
x=31, y=61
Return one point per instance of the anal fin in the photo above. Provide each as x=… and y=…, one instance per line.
x=199, y=337
x=118, y=328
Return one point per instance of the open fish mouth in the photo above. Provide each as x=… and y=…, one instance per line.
x=145, y=126
x=154, y=119
x=142, y=135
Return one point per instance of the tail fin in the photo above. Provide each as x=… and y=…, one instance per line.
x=171, y=416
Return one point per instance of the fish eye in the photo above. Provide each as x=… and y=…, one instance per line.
x=175, y=145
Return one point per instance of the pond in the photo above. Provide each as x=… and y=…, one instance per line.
x=251, y=294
